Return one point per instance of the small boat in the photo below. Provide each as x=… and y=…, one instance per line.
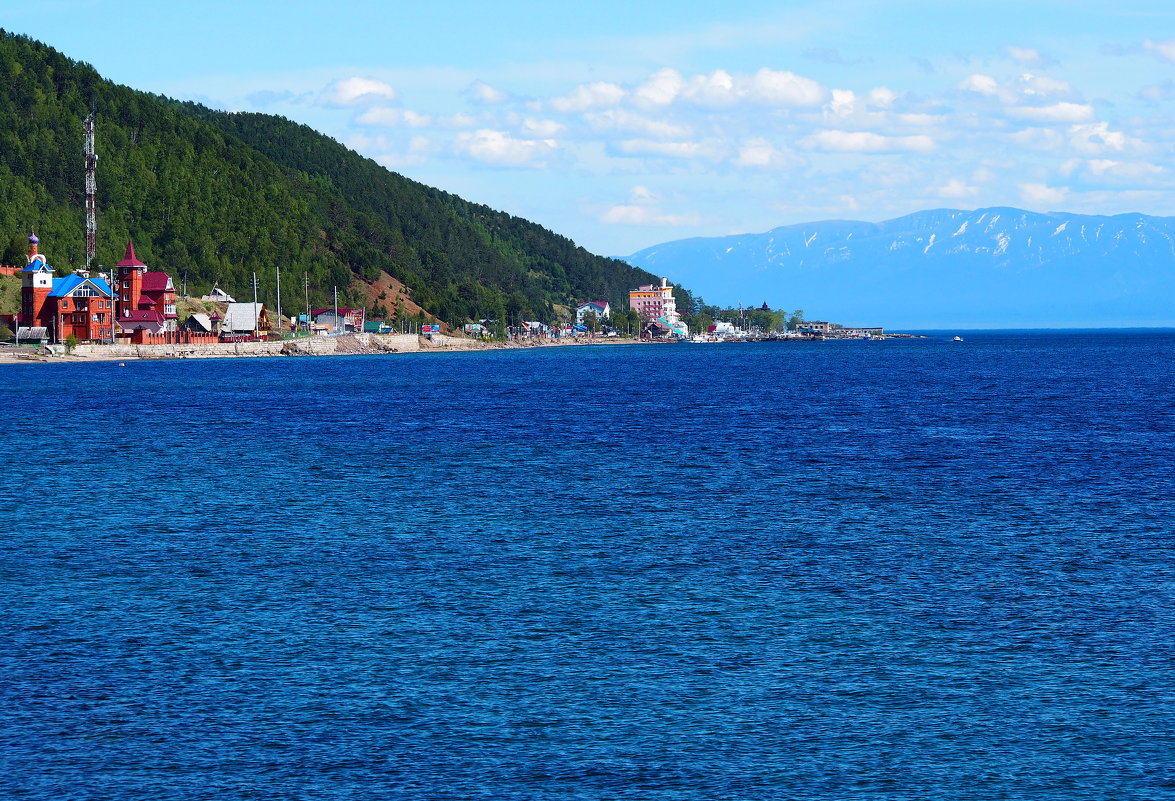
x=958, y=339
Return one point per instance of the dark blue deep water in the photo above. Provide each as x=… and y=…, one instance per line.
x=891, y=570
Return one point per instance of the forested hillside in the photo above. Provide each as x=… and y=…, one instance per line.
x=214, y=197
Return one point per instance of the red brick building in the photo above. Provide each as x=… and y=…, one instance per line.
x=75, y=305
x=143, y=295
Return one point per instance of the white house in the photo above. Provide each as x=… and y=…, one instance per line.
x=600, y=308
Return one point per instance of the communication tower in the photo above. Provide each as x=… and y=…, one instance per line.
x=91, y=193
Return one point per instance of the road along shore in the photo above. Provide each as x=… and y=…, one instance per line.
x=345, y=345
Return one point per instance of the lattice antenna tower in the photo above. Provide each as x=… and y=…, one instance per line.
x=91, y=193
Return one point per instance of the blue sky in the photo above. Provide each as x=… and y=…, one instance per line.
x=623, y=125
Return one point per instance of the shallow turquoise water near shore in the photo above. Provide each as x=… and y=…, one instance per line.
x=900, y=569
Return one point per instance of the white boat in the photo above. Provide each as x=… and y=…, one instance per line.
x=958, y=339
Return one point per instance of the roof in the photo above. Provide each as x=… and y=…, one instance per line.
x=342, y=312
x=129, y=259
x=200, y=319
x=218, y=294
x=141, y=316
x=62, y=287
x=242, y=316
x=157, y=281
x=37, y=264
x=599, y=304
x=144, y=301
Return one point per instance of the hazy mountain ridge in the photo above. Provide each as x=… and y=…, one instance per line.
x=943, y=267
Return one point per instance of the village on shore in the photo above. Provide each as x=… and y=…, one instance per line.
x=133, y=313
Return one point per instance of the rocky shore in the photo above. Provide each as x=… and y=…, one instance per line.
x=346, y=345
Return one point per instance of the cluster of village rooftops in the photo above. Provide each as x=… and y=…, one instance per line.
x=137, y=305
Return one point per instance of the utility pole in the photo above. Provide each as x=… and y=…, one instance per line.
x=256, y=314
x=277, y=267
x=306, y=288
x=336, y=310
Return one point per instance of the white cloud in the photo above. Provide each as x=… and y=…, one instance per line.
x=981, y=84
x=955, y=188
x=759, y=153
x=419, y=148
x=1127, y=171
x=591, y=95
x=1025, y=56
x=621, y=120
x=715, y=90
x=842, y=104
x=720, y=89
x=866, y=142
x=1034, y=194
x=357, y=92
x=661, y=89
x=393, y=118
x=1165, y=50
x=1043, y=85
x=542, y=128
x=483, y=93
x=1057, y=112
x=1096, y=138
x=676, y=150
x=782, y=88
x=1037, y=139
x=641, y=194
x=882, y=97
x=498, y=147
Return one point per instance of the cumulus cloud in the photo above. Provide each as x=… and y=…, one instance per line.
x=1096, y=138
x=957, y=189
x=1034, y=194
x=357, y=92
x=980, y=84
x=842, y=104
x=1043, y=85
x=716, y=89
x=1057, y=112
x=1124, y=171
x=588, y=96
x=1037, y=139
x=882, y=97
x=1027, y=56
x=393, y=118
x=484, y=94
x=782, y=88
x=674, y=150
x=543, y=129
x=502, y=149
x=761, y=154
x=866, y=142
x=661, y=89
x=622, y=120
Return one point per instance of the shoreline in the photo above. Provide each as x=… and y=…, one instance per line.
x=343, y=345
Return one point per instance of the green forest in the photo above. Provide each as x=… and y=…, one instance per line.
x=214, y=197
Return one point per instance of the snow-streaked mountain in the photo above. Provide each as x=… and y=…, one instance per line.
x=996, y=267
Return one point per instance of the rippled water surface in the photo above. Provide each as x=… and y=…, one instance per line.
x=891, y=570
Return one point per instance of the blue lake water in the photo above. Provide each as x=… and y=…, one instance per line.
x=911, y=569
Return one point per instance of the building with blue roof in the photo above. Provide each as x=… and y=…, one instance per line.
x=74, y=305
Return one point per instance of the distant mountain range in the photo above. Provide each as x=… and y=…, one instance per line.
x=995, y=267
